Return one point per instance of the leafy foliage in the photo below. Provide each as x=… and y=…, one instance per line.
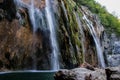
x=107, y=19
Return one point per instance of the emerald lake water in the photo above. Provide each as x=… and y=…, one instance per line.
x=27, y=75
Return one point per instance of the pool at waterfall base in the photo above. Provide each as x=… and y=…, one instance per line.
x=27, y=75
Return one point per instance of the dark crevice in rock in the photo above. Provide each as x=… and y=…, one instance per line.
x=112, y=74
x=9, y=8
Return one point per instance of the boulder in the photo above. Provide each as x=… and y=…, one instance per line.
x=20, y=47
x=110, y=73
x=113, y=73
x=80, y=74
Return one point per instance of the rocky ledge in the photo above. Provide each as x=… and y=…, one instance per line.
x=111, y=73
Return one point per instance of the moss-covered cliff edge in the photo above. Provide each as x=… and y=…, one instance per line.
x=78, y=34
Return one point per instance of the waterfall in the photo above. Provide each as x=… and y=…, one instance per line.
x=32, y=15
x=51, y=24
x=96, y=40
x=36, y=17
x=63, y=6
x=38, y=21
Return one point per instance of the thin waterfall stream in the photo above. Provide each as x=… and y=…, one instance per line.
x=65, y=12
x=32, y=15
x=97, y=41
x=55, y=51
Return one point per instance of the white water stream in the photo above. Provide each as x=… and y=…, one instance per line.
x=97, y=41
x=55, y=51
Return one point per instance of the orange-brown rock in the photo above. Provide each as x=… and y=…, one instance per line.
x=87, y=66
x=20, y=47
x=38, y=3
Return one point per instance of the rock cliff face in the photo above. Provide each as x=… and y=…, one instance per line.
x=111, y=48
x=74, y=31
x=22, y=48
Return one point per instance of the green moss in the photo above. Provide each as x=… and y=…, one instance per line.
x=74, y=29
x=69, y=35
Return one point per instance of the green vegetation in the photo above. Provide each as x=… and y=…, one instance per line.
x=107, y=19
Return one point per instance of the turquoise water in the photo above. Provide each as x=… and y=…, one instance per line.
x=27, y=75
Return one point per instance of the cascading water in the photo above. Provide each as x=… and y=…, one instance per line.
x=63, y=6
x=97, y=41
x=50, y=20
x=32, y=15
x=36, y=17
x=38, y=21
